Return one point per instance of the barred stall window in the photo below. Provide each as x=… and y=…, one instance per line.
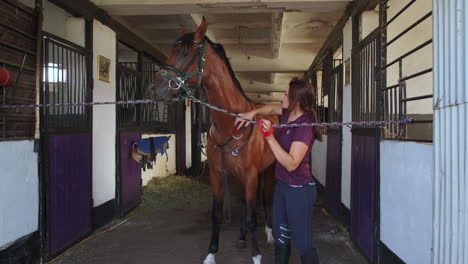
x=128, y=87
x=155, y=117
x=320, y=79
x=136, y=73
x=321, y=98
x=407, y=68
x=365, y=65
x=65, y=80
x=128, y=90
x=328, y=81
x=336, y=88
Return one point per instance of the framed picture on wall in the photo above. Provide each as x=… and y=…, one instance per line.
x=103, y=68
x=347, y=71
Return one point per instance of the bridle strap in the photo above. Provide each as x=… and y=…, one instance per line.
x=180, y=78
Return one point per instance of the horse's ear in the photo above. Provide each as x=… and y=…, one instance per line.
x=201, y=31
x=183, y=29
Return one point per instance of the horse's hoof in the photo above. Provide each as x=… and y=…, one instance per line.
x=241, y=244
x=210, y=259
x=257, y=259
x=269, y=235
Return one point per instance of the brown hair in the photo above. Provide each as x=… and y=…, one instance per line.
x=303, y=93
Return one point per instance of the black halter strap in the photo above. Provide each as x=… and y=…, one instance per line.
x=178, y=81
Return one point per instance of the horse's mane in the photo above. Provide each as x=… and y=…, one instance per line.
x=187, y=40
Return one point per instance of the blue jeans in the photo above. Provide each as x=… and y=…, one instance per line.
x=292, y=215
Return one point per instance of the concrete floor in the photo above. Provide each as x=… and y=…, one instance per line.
x=158, y=235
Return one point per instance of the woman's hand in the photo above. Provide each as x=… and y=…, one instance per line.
x=266, y=128
x=239, y=123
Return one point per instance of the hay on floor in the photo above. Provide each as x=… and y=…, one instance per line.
x=176, y=192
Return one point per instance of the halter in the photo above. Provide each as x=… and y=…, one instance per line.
x=178, y=80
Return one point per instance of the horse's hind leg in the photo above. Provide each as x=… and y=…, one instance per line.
x=216, y=218
x=243, y=226
x=268, y=179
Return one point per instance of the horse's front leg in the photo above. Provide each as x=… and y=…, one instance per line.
x=216, y=216
x=251, y=219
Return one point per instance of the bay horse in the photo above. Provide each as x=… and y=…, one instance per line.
x=196, y=62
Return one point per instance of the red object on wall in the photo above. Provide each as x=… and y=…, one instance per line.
x=5, y=76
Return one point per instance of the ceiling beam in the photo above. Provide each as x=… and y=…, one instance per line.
x=235, y=41
x=276, y=30
x=272, y=78
x=165, y=7
x=197, y=20
x=336, y=35
x=210, y=2
x=89, y=10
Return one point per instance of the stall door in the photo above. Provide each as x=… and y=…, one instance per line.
x=333, y=186
x=130, y=172
x=364, y=153
x=129, y=131
x=67, y=143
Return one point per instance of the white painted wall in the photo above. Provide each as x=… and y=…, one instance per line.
x=188, y=134
x=104, y=127
x=164, y=167
x=319, y=160
x=347, y=117
x=406, y=199
x=60, y=23
x=369, y=21
x=19, y=191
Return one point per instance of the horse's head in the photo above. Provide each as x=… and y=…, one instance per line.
x=183, y=71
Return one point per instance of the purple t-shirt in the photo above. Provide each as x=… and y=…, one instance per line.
x=285, y=137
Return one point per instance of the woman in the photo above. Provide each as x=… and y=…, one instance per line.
x=295, y=191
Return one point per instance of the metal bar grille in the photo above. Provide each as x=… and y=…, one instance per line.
x=65, y=81
x=327, y=91
x=131, y=65
x=364, y=93
x=395, y=96
x=154, y=117
x=336, y=95
x=128, y=90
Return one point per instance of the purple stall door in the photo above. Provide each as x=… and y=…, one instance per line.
x=363, y=193
x=333, y=186
x=69, y=189
x=130, y=172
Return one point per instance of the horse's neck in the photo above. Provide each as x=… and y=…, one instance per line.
x=223, y=92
